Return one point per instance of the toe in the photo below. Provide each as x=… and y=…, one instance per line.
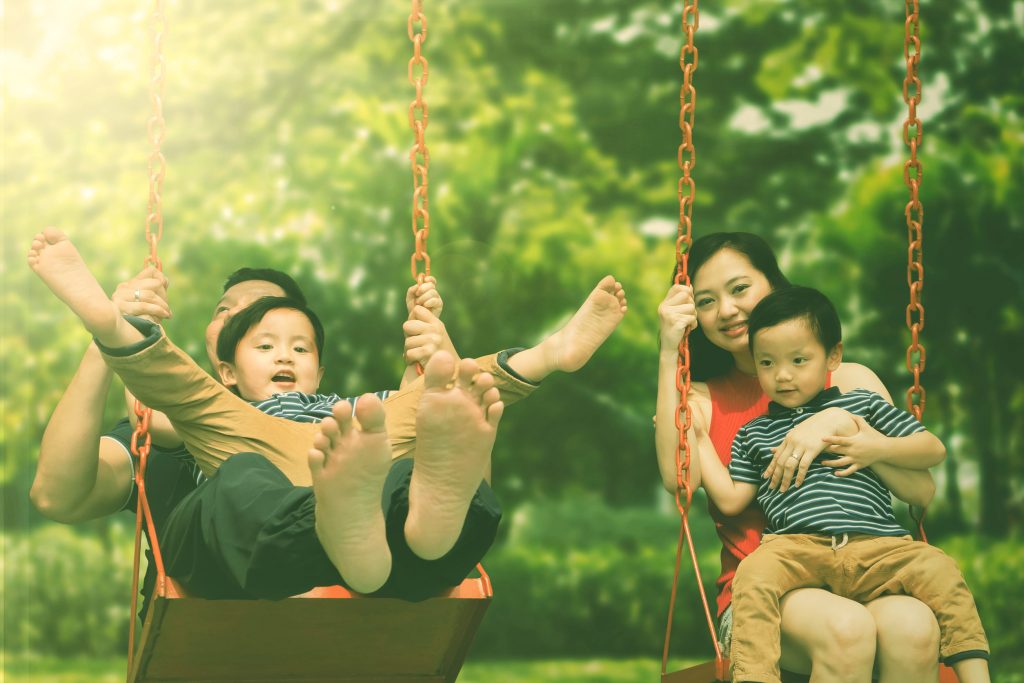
x=316, y=461
x=439, y=370
x=342, y=412
x=483, y=385
x=53, y=235
x=322, y=441
x=468, y=371
x=331, y=428
x=494, y=413
x=370, y=413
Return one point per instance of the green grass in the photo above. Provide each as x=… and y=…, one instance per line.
x=23, y=669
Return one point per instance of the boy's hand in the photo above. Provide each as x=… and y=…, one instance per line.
x=424, y=294
x=425, y=335
x=804, y=443
x=857, y=451
x=145, y=295
x=676, y=315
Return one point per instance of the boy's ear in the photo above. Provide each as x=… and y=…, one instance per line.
x=835, y=357
x=227, y=374
x=319, y=376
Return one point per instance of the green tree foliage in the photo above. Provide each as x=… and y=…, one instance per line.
x=553, y=134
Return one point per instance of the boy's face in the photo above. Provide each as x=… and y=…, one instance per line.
x=792, y=365
x=276, y=356
x=235, y=299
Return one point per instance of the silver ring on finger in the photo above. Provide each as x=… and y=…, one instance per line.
x=138, y=295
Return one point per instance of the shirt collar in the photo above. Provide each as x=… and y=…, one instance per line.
x=824, y=396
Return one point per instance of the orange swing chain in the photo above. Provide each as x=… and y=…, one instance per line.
x=914, y=214
x=914, y=211
x=141, y=439
x=687, y=159
x=419, y=156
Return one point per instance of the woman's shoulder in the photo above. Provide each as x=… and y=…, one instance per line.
x=700, y=391
x=850, y=376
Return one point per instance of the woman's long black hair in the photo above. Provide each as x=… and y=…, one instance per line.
x=707, y=360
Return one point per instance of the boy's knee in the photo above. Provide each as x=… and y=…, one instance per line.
x=758, y=572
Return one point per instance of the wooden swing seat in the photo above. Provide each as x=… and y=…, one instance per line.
x=708, y=673
x=328, y=635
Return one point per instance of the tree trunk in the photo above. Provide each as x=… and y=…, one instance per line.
x=991, y=441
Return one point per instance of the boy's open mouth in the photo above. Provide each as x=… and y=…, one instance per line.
x=284, y=376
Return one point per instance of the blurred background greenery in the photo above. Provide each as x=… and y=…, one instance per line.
x=553, y=135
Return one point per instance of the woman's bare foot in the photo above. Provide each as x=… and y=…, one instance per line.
x=349, y=465
x=456, y=424
x=571, y=347
x=57, y=262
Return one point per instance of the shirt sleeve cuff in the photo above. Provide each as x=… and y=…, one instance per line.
x=150, y=331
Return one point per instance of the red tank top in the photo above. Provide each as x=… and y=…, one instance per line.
x=736, y=399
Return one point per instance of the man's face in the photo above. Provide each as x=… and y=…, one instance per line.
x=276, y=356
x=235, y=299
x=792, y=365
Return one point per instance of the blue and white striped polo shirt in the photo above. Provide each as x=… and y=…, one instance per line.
x=300, y=407
x=824, y=503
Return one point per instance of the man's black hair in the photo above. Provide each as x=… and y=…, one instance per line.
x=249, y=317
x=793, y=303
x=283, y=280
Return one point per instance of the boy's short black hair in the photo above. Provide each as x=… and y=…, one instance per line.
x=791, y=303
x=283, y=280
x=248, y=317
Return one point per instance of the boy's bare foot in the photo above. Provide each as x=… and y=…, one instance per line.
x=571, y=347
x=57, y=262
x=455, y=428
x=349, y=465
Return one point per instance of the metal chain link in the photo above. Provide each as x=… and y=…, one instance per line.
x=687, y=158
x=141, y=438
x=687, y=189
x=914, y=211
x=419, y=157
x=156, y=130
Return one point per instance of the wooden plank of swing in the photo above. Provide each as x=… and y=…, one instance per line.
x=313, y=638
x=702, y=673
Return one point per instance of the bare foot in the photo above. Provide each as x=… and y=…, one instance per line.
x=456, y=423
x=349, y=465
x=571, y=347
x=57, y=262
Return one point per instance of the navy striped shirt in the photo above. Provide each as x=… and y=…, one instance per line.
x=300, y=407
x=824, y=503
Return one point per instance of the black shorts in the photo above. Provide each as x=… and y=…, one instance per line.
x=247, y=532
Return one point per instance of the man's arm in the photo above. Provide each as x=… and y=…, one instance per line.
x=79, y=475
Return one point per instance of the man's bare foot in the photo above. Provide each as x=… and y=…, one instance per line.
x=57, y=262
x=571, y=347
x=456, y=423
x=349, y=465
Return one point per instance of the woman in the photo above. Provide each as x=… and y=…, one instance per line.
x=836, y=638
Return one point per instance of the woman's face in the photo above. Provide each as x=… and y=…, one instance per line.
x=725, y=290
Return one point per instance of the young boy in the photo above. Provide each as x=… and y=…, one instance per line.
x=829, y=531
x=447, y=419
